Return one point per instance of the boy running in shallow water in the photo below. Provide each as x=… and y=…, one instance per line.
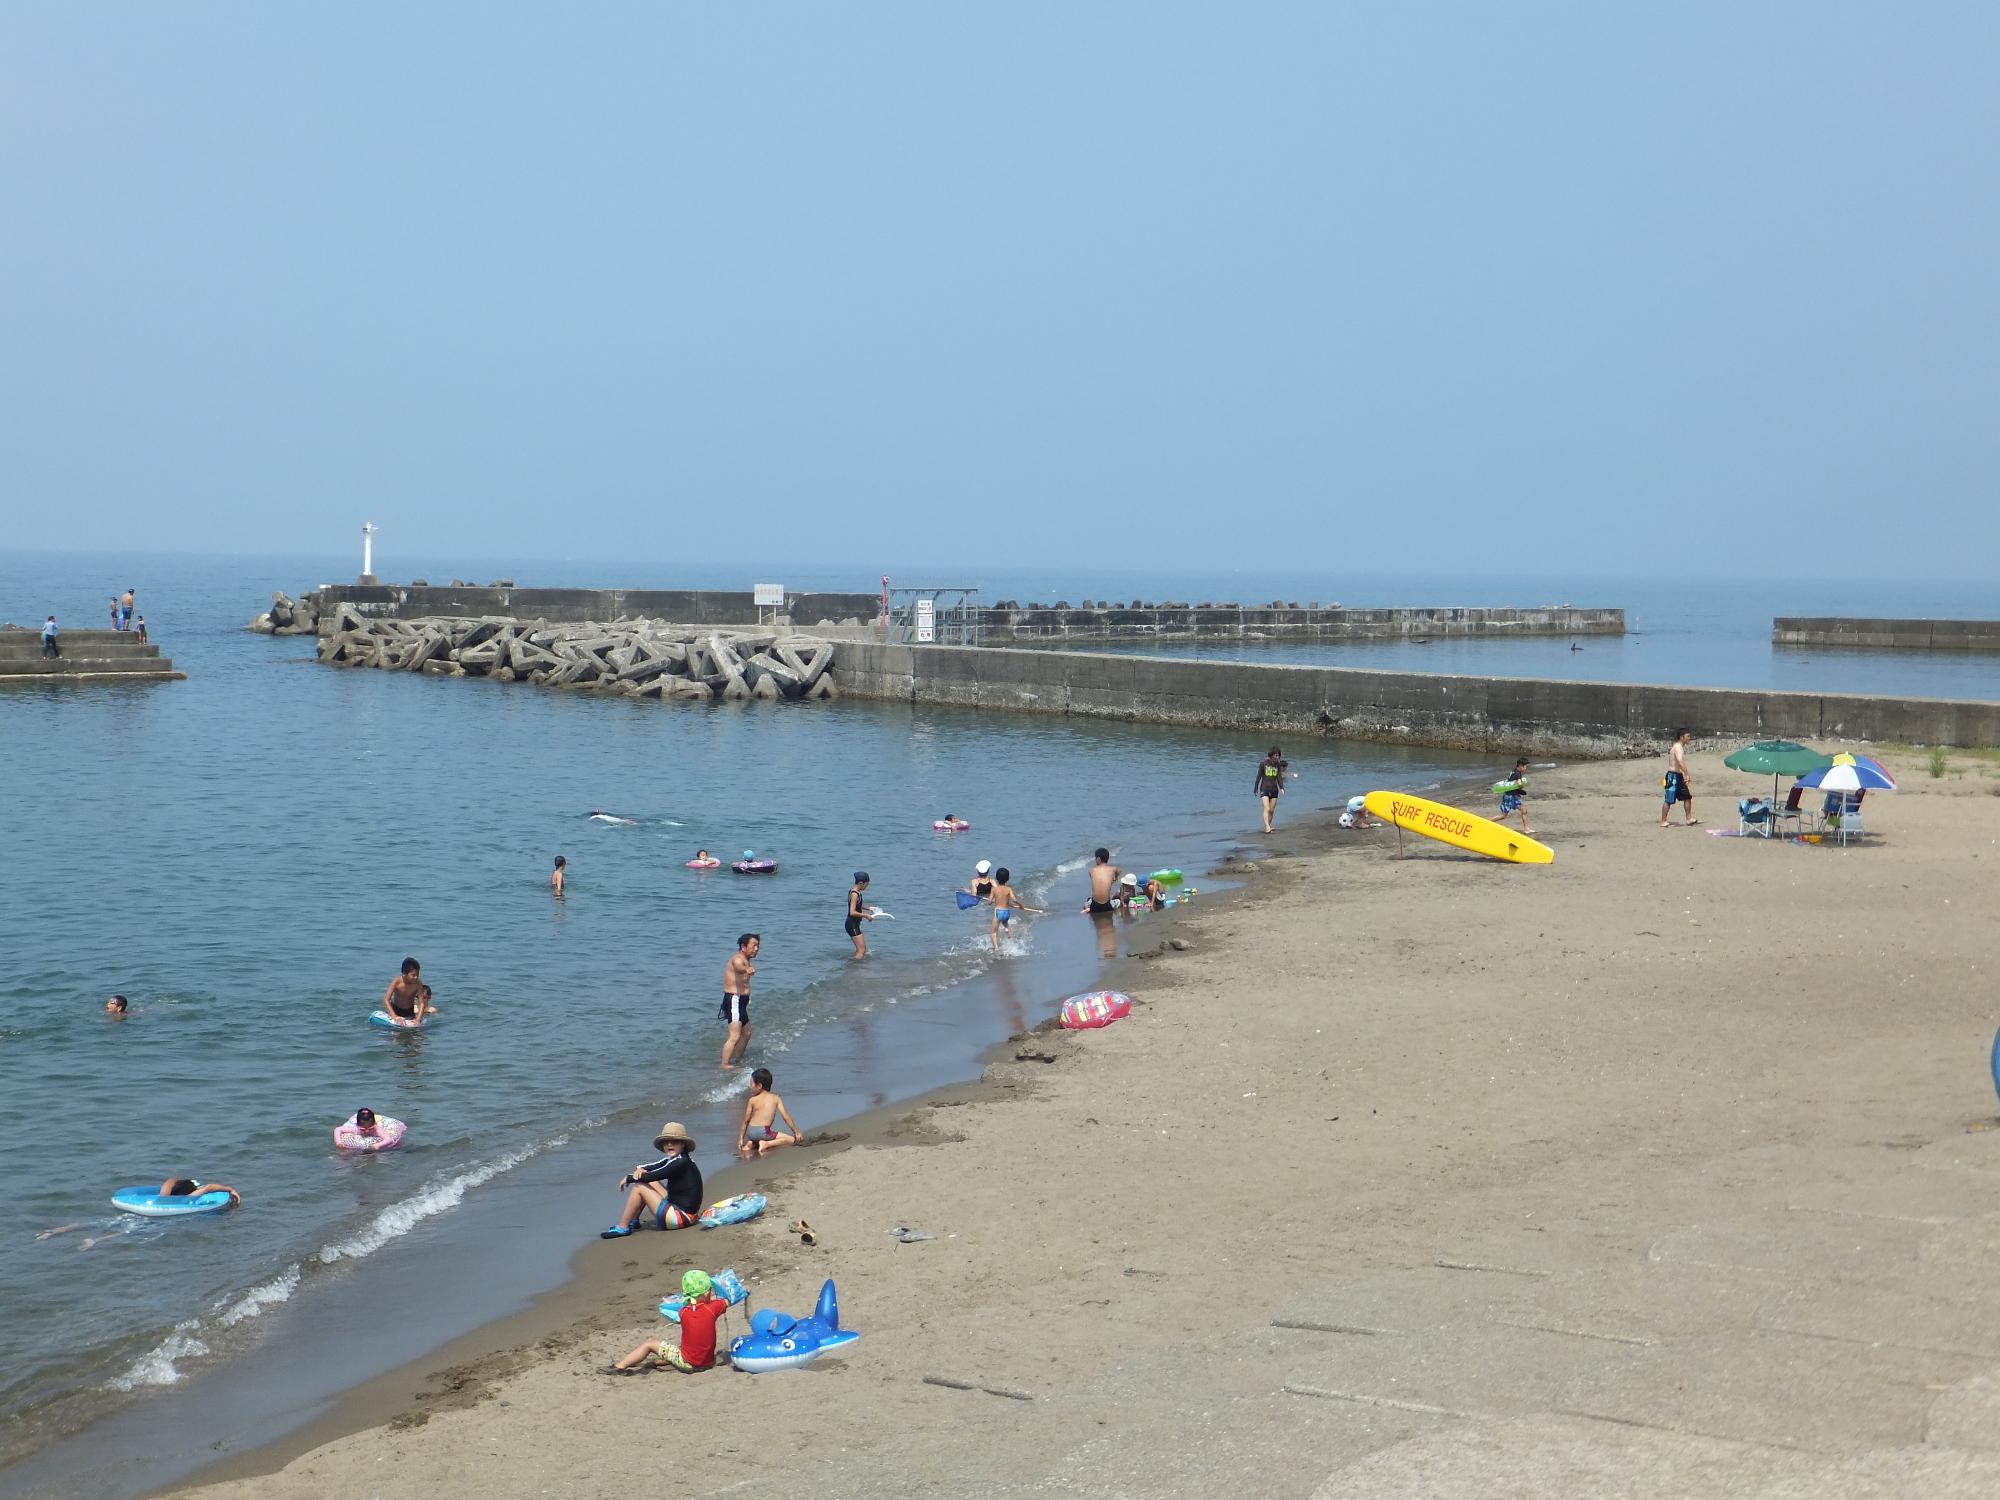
x=760, y=1113
x=1005, y=903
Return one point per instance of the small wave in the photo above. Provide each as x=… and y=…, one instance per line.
x=157, y=1367
x=722, y=1092
x=1071, y=866
x=254, y=1301
x=399, y=1219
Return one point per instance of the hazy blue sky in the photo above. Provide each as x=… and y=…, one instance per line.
x=1423, y=288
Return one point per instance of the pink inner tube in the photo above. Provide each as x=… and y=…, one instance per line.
x=1097, y=1008
x=704, y=864
x=958, y=826
x=388, y=1133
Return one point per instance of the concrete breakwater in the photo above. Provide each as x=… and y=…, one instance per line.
x=636, y=658
x=87, y=655
x=1890, y=635
x=421, y=601
x=1486, y=714
x=1095, y=621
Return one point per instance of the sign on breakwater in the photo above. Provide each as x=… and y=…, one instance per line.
x=1886, y=635
x=1485, y=714
x=635, y=658
x=1093, y=621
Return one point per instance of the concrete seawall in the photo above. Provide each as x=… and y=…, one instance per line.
x=1111, y=622
x=1501, y=715
x=576, y=606
x=1889, y=635
x=87, y=656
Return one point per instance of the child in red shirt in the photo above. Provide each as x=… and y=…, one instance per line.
x=699, y=1316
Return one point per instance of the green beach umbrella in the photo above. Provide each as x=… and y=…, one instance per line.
x=1775, y=758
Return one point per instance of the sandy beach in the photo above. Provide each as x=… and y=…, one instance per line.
x=1670, y=1169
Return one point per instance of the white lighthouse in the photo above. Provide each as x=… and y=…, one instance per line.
x=367, y=553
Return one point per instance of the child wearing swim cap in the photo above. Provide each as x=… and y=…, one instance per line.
x=696, y=1349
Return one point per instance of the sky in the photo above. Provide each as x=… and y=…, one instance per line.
x=1458, y=288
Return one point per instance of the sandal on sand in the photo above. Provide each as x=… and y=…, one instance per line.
x=805, y=1233
x=617, y=1231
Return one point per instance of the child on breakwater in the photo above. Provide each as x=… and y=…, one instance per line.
x=695, y=1350
x=1512, y=792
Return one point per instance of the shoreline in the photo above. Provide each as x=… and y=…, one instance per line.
x=470, y=1368
x=1406, y=1177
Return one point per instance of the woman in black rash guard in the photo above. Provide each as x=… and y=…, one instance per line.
x=670, y=1186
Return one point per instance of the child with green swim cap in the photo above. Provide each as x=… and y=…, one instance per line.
x=696, y=1350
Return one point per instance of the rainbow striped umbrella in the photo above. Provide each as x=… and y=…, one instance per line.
x=1850, y=773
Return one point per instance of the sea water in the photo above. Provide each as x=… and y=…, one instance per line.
x=249, y=855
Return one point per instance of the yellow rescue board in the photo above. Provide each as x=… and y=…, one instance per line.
x=1463, y=830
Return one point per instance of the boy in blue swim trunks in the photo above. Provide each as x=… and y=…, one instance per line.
x=1005, y=903
x=1676, y=786
x=1513, y=800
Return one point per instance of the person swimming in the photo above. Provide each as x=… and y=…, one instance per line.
x=407, y=997
x=117, y=1007
x=556, y=875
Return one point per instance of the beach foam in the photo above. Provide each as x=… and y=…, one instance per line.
x=157, y=1367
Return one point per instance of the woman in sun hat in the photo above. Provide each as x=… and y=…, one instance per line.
x=982, y=880
x=669, y=1189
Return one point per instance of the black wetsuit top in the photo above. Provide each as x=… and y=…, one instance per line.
x=683, y=1180
x=1271, y=777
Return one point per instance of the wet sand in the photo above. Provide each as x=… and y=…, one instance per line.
x=1670, y=1169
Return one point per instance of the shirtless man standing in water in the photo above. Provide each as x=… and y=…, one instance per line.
x=407, y=998
x=736, y=998
x=1103, y=884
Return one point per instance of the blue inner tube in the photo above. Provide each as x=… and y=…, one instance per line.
x=147, y=1201
x=755, y=867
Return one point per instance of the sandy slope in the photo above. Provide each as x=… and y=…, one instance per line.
x=1662, y=1171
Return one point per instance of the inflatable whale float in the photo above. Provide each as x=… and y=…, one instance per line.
x=776, y=1342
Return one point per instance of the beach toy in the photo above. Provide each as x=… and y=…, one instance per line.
x=1097, y=1008
x=966, y=901
x=1996, y=1061
x=704, y=864
x=732, y=1210
x=147, y=1201
x=387, y=1022
x=956, y=825
x=726, y=1284
x=776, y=1342
x=755, y=867
x=388, y=1134
x=1504, y=787
x=1166, y=877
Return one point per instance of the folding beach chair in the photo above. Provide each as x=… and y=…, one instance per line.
x=1755, y=816
x=1792, y=812
x=1842, y=815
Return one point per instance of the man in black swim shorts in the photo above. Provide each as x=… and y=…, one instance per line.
x=1103, y=885
x=736, y=998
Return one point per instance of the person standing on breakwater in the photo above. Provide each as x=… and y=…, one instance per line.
x=857, y=913
x=736, y=998
x=125, y=611
x=556, y=875
x=1103, y=884
x=114, y=612
x=1514, y=790
x=140, y=626
x=1271, y=772
x=407, y=998
x=1678, y=788
x=49, y=634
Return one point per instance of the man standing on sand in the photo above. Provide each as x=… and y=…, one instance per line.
x=1103, y=884
x=1271, y=783
x=736, y=998
x=1676, y=783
